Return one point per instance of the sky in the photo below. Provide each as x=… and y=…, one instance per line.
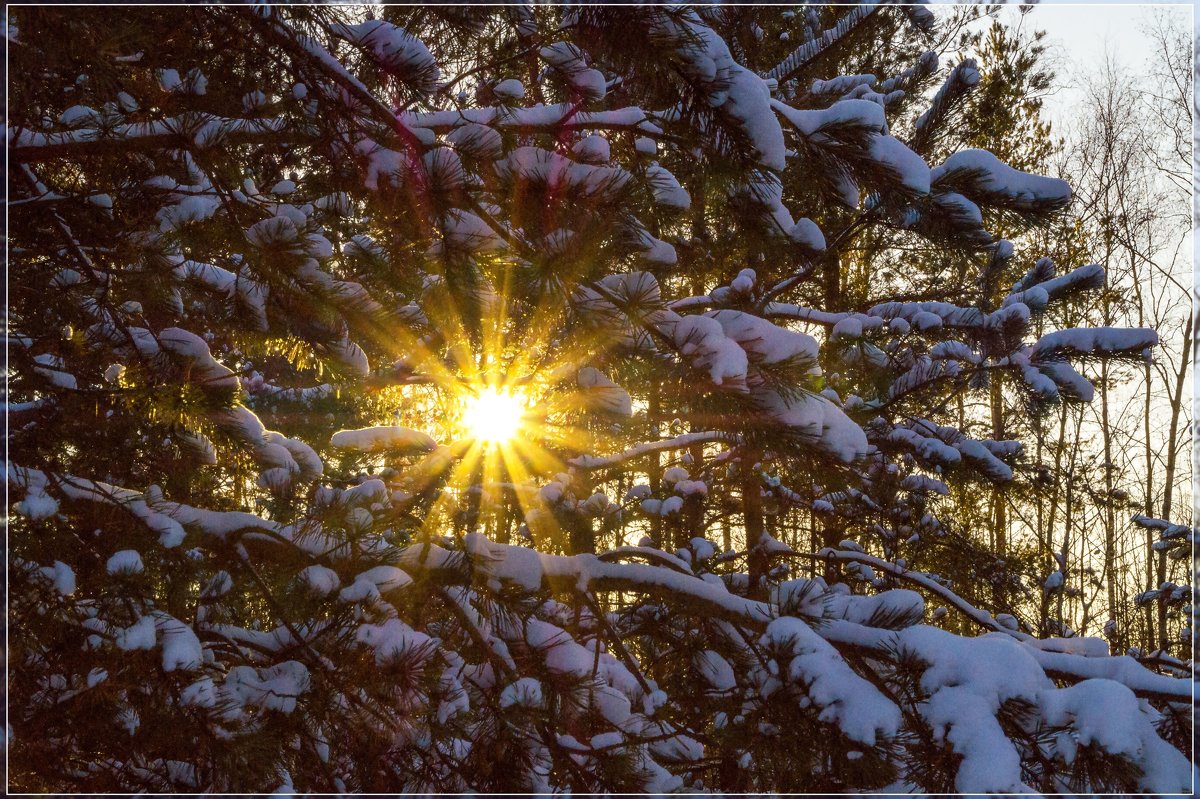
x=1083, y=33
x=1079, y=34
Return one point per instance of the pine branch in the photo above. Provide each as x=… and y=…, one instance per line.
x=810, y=50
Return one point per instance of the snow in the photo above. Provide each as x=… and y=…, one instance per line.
x=127, y=561
x=525, y=692
x=678, y=442
x=61, y=576
x=78, y=115
x=763, y=341
x=898, y=603
x=603, y=395
x=37, y=504
x=397, y=51
x=351, y=357
x=909, y=169
x=202, y=693
x=171, y=534
x=1091, y=710
x=385, y=578
x=946, y=447
x=715, y=670
x=218, y=279
x=275, y=688
x=734, y=91
x=320, y=579
x=704, y=550
x=1080, y=341
x=654, y=250
x=180, y=647
x=921, y=483
x=571, y=63
x=393, y=640
x=806, y=233
x=139, y=635
x=845, y=699
x=992, y=178
x=670, y=505
x=477, y=140
x=510, y=89
x=817, y=418
x=703, y=340
x=861, y=113
x=1038, y=295
x=444, y=169
x=847, y=328
x=558, y=173
x=169, y=79
x=560, y=653
x=967, y=681
x=667, y=191
x=204, y=368
x=374, y=439
x=744, y=282
x=841, y=84
x=384, y=166
x=593, y=149
x=510, y=628
x=273, y=232
x=465, y=231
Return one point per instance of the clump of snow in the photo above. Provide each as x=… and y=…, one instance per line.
x=396, y=50
x=525, y=692
x=180, y=647
x=667, y=191
x=603, y=395
x=593, y=149
x=477, y=140
x=320, y=579
x=570, y=62
x=277, y=687
x=996, y=181
x=373, y=439
x=715, y=670
x=127, y=561
x=510, y=89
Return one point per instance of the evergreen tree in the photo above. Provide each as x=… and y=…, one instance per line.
x=434, y=399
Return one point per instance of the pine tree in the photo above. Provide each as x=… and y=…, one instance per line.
x=270, y=263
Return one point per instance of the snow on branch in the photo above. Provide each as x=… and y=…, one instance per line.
x=594, y=462
x=809, y=50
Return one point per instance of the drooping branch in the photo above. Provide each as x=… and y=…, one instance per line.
x=594, y=462
x=501, y=564
x=197, y=130
x=805, y=53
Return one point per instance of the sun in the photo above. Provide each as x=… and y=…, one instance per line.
x=494, y=416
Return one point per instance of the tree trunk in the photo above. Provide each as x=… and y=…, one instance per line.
x=654, y=468
x=1110, y=518
x=756, y=529
x=1148, y=641
x=999, y=512
x=1169, y=472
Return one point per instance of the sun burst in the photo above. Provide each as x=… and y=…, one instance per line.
x=494, y=416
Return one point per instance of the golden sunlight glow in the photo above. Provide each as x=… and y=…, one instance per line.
x=494, y=415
